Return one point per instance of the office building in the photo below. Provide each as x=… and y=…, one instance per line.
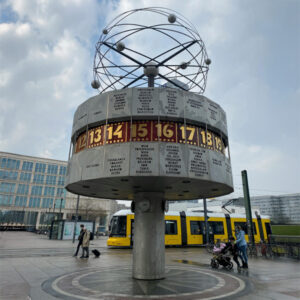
x=282, y=209
x=32, y=194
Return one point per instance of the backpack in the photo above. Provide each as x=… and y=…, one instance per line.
x=91, y=236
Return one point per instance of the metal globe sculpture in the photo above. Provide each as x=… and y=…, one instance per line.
x=120, y=59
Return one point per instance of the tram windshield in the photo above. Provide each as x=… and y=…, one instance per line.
x=118, y=226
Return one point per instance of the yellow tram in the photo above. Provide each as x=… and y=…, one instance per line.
x=187, y=229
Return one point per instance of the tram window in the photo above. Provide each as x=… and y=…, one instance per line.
x=171, y=227
x=268, y=228
x=195, y=227
x=216, y=227
x=118, y=226
x=245, y=227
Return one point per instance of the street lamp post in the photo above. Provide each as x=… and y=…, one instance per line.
x=248, y=207
x=48, y=220
x=45, y=222
x=61, y=200
x=76, y=217
x=23, y=215
x=205, y=222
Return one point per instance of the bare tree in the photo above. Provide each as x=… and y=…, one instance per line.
x=87, y=208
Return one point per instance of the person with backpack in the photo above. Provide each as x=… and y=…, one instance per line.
x=85, y=243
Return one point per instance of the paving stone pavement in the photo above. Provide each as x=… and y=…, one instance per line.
x=35, y=268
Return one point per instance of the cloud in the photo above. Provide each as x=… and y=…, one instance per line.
x=45, y=62
x=255, y=158
x=46, y=59
x=53, y=18
x=269, y=170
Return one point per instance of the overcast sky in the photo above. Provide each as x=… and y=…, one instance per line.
x=46, y=60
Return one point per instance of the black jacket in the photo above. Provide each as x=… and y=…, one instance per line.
x=233, y=249
x=80, y=237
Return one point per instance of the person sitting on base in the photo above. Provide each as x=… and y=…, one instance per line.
x=85, y=243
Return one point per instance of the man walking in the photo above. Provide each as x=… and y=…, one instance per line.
x=85, y=243
x=80, y=239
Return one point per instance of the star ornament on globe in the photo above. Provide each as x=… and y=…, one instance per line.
x=153, y=46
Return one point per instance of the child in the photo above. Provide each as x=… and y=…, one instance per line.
x=218, y=247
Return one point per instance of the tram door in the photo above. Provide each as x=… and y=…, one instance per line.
x=228, y=224
x=261, y=232
x=210, y=232
x=203, y=231
x=132, y=232
x=211, y=235
x=183, y=228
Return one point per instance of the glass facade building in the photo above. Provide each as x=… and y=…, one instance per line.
x=28, y=188
x=32, y=192
x=30, y=178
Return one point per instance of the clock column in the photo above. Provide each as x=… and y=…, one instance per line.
x=149, y=253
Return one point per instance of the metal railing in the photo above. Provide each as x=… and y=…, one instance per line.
x=278, y=246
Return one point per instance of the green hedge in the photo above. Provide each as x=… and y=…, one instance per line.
x=286, y=229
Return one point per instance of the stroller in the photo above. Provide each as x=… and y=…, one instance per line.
x=220, y=258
